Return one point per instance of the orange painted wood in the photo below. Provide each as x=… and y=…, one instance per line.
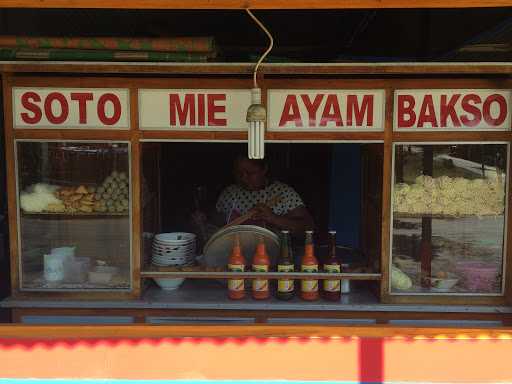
x=372, y=358
x=246, y=330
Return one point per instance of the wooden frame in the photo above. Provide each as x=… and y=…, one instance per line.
x=260, y=317
x=253, y=4
x=49, y=134
x=271, y=80
x=116, y=69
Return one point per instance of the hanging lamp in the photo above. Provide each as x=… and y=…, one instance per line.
x=256, y=113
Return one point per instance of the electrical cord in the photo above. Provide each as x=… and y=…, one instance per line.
x=268, y=49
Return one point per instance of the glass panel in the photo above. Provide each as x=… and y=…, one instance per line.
x=448, y=218
x=74, y=215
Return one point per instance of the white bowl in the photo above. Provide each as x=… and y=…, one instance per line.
x=168, y=263
x=445, y=283
x=175, y=238
x=172, y=252
x=167, y=283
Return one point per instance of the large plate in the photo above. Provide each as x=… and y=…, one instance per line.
x=218, y=248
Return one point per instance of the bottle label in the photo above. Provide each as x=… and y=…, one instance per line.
x=332, y=268
x=236, y=284
x=309, y=268
x=260, y=284
x=285, y=285
x=309, y=285
x=236, y=267
x=332, y=285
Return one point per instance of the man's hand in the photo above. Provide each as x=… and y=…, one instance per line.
x=263, y=212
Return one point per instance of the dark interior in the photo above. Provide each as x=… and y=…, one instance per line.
x=479, y=34
x=339, y=183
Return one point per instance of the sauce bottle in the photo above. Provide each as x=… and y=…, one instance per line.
x=285, y=287
x=236, y=263
x=309, y=263
x=332, y=288
x=260, y=263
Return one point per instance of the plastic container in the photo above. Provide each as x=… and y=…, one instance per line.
x=54, y=267
x=77, y=269
x=478, y=276
x=65, y=252
x=96, y=277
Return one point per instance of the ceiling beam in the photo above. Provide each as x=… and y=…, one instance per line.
x=253, y=4
x=303, y=69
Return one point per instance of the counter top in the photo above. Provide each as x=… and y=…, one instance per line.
x=211, y=295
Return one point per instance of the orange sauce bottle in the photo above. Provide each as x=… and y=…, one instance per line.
x=236, y=263
x=309, y=263
x=260, y=263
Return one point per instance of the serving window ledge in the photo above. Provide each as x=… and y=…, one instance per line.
x=207, y=299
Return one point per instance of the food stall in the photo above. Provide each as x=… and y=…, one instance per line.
x=100, y=167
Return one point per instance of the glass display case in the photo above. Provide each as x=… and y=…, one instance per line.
x=74, y=215
x=448, y=218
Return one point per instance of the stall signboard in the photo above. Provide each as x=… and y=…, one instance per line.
x=452, y=109
x=70, y=108
x=194, y=109
x=326, y=110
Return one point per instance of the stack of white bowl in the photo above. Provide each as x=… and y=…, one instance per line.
x=176, y=248
x=173, y=249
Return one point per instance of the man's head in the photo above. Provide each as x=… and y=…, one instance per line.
x=251, y=174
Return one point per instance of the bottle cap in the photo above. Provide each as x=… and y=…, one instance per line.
x=309, y=231
x=285, y=231
x=332, y=232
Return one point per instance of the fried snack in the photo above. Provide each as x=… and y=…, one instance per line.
x=81, y=190
x=75, y=197
x=66, y=192
x=85, y=208
x=56, y=208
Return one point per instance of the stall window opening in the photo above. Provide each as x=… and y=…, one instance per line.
x=340, y=184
